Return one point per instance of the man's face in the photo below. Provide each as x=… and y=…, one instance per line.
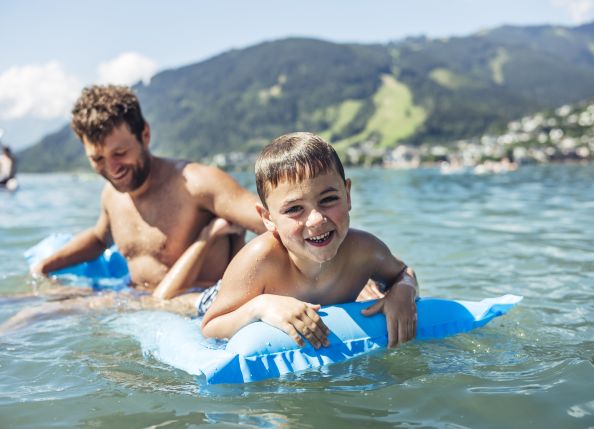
x=121, y=159
x=311, y=217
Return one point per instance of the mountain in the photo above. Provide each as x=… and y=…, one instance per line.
x=415, y=90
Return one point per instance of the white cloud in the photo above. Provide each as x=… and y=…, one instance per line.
x=42, y=91
x=580, y=11
x=127, y=69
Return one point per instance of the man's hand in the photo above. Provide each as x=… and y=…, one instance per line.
x=219, y=227
x=370, y=291
x=38, y=270
x=296, y=318
x=401, y=313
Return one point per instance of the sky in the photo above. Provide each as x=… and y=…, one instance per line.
x=50, y=50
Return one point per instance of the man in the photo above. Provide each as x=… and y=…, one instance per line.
x=152, y=208
x=7, y=167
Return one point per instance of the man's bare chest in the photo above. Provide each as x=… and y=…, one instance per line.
x=161, y=228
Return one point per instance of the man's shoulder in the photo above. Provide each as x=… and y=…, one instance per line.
x=108, y=193
x=196, y=169
x=200, y=177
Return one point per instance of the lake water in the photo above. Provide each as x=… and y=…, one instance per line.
x=529, y=232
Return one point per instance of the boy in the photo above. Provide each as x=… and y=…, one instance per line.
x=309, y=257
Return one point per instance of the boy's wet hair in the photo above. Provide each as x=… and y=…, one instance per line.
x=100, y=109
x=294, y=157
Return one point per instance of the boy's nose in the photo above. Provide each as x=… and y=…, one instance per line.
x=314, y=218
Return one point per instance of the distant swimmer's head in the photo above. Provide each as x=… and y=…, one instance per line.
x=293, y=158
x=101, y=109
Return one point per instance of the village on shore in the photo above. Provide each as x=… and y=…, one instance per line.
x=563, y=135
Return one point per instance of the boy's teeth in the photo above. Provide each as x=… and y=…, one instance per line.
x=320, y=237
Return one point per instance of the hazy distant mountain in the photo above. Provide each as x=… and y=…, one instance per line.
x=416, y=90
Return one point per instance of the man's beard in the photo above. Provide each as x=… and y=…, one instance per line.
x=139, y=173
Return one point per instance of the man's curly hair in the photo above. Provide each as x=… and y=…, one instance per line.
x=100, y=109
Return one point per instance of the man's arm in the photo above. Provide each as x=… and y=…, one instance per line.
x=185, y=270
x=227, y=199
x=85, y=246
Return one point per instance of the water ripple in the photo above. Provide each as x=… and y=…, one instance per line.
x=529, y=232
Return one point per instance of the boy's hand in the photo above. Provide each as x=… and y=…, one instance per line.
x=401, y=313
x=296, y=318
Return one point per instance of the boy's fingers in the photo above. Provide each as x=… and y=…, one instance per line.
x=292, y=332
x=319, y=325
x=412, y=330
x=392, y=334
x=407, y=330
x=373, y=309
x=308, y=331
x=318, y=330
x=402, y=332
x=312, y=313
x=322, y=332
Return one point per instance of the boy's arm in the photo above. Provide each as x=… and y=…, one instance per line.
x=398, y=304
x=242, y=300
x=85, y=246
x=185, y=270
x=294, y=317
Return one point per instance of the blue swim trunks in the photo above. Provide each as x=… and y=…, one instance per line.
x=207, y=298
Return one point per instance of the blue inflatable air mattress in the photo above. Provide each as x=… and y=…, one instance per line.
x=259, y=351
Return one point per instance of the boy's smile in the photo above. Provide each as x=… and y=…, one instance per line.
x=321, y=240
x=311, y=216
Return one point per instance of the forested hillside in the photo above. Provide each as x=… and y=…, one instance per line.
x=416, y=91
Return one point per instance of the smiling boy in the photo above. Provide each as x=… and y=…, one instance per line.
x=309, y=255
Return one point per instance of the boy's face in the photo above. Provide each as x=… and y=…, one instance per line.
x=311, y=217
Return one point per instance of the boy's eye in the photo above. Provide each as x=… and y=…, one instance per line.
x=292, y=210
x=119, y=154
x=96, y=159
x=329, y=199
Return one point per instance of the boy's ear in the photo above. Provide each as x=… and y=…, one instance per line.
x=265, y=216
x=347, y=184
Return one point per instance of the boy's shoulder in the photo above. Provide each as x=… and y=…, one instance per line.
x=363, y=240
x=361, y=245
x=263, y=250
